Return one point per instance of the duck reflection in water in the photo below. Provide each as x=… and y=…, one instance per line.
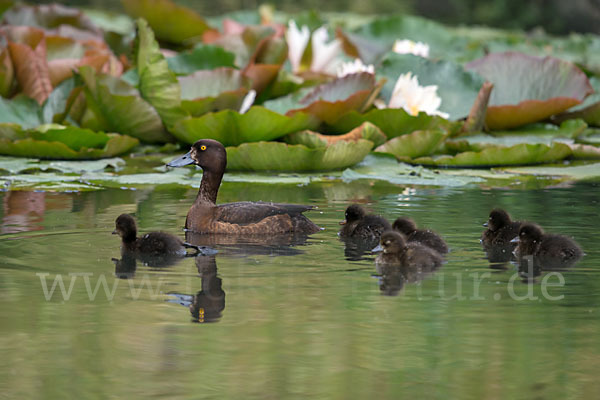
x=392, y=278
x=208, y=304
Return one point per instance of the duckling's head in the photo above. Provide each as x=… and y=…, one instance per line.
x=404, y=225
x=392, y=242
x=498, y=218
x=354, y=212
x=208, y=154
x=529, y=233
x=125, y=227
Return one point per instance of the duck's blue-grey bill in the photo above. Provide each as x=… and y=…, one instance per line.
x=377, y=249
x=184, y=160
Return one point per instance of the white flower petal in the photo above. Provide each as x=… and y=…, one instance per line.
x=409, y=47
x=323, y=53
x=407, y=94
x=248, y=101
x=354, y=67
x=297, y=40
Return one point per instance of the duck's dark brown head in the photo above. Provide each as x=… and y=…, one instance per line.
x=529, y=233
x=404, y=225
x=498, y=219
x=354, y=212
x=125, y=227
x=392, y=242
x=208, y=154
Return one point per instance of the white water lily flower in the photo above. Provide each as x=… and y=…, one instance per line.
x=412, y=97
x=248, y=101
x=354, y=67
x=297, y=40
x=409, y=47
x=324, y=54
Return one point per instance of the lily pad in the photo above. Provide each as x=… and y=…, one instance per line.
x=456, y=87
x=313, y=140
x=66, y=143
x=118, y=107
x=413, y=145
x=529, y=89
x=393, y=122
x=520, y=154
x=158, y=85
x=21, y=110
x=276, y=156
x=200, y=58
x=48, y=16
x=232, y=128
x=171, y=22
x=18, y=165
x=579, y=172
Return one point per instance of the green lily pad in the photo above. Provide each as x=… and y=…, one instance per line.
x=456, y=87
x=158, y=85
x=520, y=154
x=386, y=168
x=21, y=110
x=211, y=83
x=393, y=122
x=413, y=145
x=276, y=156
x=14, y=165
x=118, y=107
x=579, y=172
x=313, y=140
x=171, y=22
x=529, y=89
x=200, y=58
x=585, y=152
x=232, y=128
x=66, y=143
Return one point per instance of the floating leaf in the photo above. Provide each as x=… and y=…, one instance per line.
x=529, y=89
x=158, y=84
x=585, y=152
x=48, y=16
x=232, y=128
x=413, y=145
x=171, y=22
x=7, y=73
x=579, y=172
x=201, y=57
x=393, y=122
x=276, y=156
x=456, y=87
x=118, y=107
x=520, y=154
x=211, y=83
x=66, y=143
x=312, y=139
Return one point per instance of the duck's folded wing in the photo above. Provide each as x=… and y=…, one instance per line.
x=247, y=212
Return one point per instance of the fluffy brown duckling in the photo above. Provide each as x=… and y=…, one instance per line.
x=546, y=250
x=153, y=243
x=423, y=236
x=241, y=218
x=397, y=251
x=501, y=229
x=359, y=224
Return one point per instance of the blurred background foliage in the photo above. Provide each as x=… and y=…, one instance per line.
x=554, y=16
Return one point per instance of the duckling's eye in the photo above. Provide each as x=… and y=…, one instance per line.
x=387, y=242
x=203, y=147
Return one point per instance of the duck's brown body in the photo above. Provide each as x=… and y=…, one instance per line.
x=242, y=218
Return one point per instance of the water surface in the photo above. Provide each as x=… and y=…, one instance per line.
x=289, y=320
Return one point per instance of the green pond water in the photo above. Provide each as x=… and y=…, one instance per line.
x=293, y=320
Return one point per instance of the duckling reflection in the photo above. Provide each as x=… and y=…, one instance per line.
x=208, y=304
x=125, y=266
x=393, y=278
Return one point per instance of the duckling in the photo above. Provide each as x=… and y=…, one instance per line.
x=396, y=250
x=241, y=218
x=358, y=223
x=153, y=243
x=546, y=250
x=424, y=236
x=500, y=229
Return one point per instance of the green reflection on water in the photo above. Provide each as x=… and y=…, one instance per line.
x=308, y=324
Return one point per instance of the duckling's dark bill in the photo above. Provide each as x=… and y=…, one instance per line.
x=182, y=161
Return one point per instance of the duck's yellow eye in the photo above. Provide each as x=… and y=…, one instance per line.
x=202, y=147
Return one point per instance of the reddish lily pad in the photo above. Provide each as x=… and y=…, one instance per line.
x=529, y=89
x=312, y=139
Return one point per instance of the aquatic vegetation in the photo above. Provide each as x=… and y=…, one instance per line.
x=270, y=83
